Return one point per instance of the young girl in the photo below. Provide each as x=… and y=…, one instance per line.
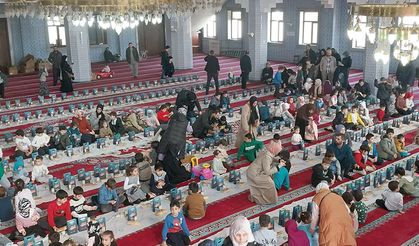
x=40, y=172
x=217, y=163
x=281, y=178
x=292, y=107
x=231, y=76
x=399, y=141
x=106, y=69
x=333, y=102
x=365, y=114
x=108, y=239
x=305, y=218
x=312, y=133
x=104, y=130
x=43, y=74
x=164, y=114
x=296, y=139
x=132, y=187
x=342, y=97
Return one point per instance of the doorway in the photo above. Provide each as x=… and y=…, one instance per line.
x=151, y=38
x=5, y=60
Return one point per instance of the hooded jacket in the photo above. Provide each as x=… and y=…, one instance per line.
x=386, y=148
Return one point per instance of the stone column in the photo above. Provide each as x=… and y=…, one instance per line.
x=78, y=51
x=373, y=69
x=181, y=41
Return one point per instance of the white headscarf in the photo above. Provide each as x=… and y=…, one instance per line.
x=322, y=185
x=241, y=224
x=183, y=110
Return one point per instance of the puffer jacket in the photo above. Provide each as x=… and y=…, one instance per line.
x=386, y=148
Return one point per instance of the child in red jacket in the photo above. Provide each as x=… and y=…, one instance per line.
x=363, y=165
x=381, y=112
x=59, y=212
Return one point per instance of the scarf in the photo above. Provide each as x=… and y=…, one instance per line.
x=241, y=224
x=295, y=237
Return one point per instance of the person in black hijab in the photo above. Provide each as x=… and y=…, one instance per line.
x=67, y=76
x=188, y=98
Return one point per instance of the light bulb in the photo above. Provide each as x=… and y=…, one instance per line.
x=371, y=35
x=83, y=21
x=377, y=56
x=118, y=29
x=413, y=36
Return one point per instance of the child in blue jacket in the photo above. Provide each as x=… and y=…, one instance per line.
x=175, y=231
x=278, y=80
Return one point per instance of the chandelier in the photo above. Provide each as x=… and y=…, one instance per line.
x=114, y=14
x=392, y=24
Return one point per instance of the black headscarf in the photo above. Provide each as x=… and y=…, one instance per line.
x=101, y=113
x=253, y=111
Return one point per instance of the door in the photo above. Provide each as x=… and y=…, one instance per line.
x=5, y=61
x=151, y=37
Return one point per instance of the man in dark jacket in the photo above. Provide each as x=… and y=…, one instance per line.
x=311, y=55
x=188, y=98
x=109, y=57
x=347, y=64
x=164, y=61
x=406, y=74
x=55, y=59
x=132, y=58
x=384, y=90
x=362, y=90
x=202, y=124
x=212, y=68
x=343, y=153
x=267, y=74
x=246, y=67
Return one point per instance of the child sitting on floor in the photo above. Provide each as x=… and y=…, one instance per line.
x=312, y=133
x=19, y=171
x=392, y=198
x=40, y=141
x=265, y=235
x=93, y=231
x=305, y=224
x=61, y=138
x=296, y=139
x=175, y=231
x=360, y=206
x=159, y=182
x=78, y=205
x=222, y=147
x=281, y=178
x=349, y=200
x=144, y=170
x=108, y=198
x=363, y=165
x=372, y=153
x=23, y=145
x=107, y=239
x=106, y=69
x=353, y=120
x=410, y=102
x=406, y=183
x=249, y=148
x=59, y=212
x=334, y=165
x=223, y=126
x=40, y=172
x=217, y=163
x=381, y=113
x=133, y=188
x=6, y=211
x=399, y=141
x=104, y=130
x=195, y=206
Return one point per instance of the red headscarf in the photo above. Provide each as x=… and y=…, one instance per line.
x=295, y=237
x=408, y=95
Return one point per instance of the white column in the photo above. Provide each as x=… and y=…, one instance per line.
x=181, y=41
x=78, y=51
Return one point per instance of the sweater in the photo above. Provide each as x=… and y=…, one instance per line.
x=386, y=148
x=39, y=171
x=360, y=160
x=343, y=154
x=163, y=116
x=145, y=171
x=106, y=195
x=407, y=184
x=249, y=150
x=278, y=79
x=22, y=222
x=79, y=207
x=399, y=145
x=380, y=115
x=195, y=205
x=55, y=210
x=84, y=125
x=354, y=118
x=266, y=237
x=174, y=224
x=217, y=166
x=105, y=132
x=362, y=210
x=319, y=175
x=40, y=140
x=393, y=200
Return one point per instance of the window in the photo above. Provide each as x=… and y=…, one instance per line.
x=309, y=22
x=56, y=31
x=210, y=29
x=409, y=21
x=234, y=24
x=97, y=35
x=359, y=42
x=276, y=26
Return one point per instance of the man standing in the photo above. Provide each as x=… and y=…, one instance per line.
x=132, y=59
x=328, y=66
x=165, y=61
x=246, y=67
x=311, y=55
x=212, y=68
x=55, y=59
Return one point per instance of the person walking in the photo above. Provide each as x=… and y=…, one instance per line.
x=212, y=68
x=246, y=67
x=55, y=59
x=67, y=76
x=132, y=58
x=165, y=60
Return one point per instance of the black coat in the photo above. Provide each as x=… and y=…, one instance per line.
x=66, y=77
x=365, y=89
x=187, y=98
x=202, y=124
x=406, y=74
x=267, y=73
x=384, y=90
x=319, y=176
x=312, y=56
x=134, y=53
x=118, y=127
x=164, y=58
x=174, y=138
x=212, y=64
x=347, y=62
x=246, y=64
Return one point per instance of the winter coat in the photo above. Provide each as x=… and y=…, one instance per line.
x=246, y=64
x=245, y=127
x=175, y=136
x=386, y=148
x=212, y=64
x=384, y=90
x=201, y=125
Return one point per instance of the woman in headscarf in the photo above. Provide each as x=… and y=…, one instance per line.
x=259, y=175
x=316, y=91
x=172, y=147
x=296, y=237
x=240, y=233
x=250, y=120
x=330, y=213
x=303, y=116
x=66, y=76
x=364, y=113
x=97, y=117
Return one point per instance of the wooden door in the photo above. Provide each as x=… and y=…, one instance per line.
x=5, y=61
x=151, y=37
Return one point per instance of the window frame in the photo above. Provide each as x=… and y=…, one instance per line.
x=230, y=21
x=212, y=22
x=280, y=26
x=301, y=28
x=57, y=29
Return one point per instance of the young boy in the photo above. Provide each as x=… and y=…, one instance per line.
x=363, y=166
x=360, y=206
x=265, y=235
x=195, y=205
x=322, y=172
x=78, y=205
x=175, y=231
x=61, y=138
x=23, y=145
x=249, y=148
x=372, y=153
x=381, y=112
x=54, y=239
x=40, y=172
x=40, y=141
x=93, y=231
x=159, y=182
x=6, y=211
x=386, y=147
x=392, y=199
x=354, y=120
x=399, y=141
x=406, y=183
x=223, y=126
x=59, y=212
x=152, y=155
x=108, y=199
